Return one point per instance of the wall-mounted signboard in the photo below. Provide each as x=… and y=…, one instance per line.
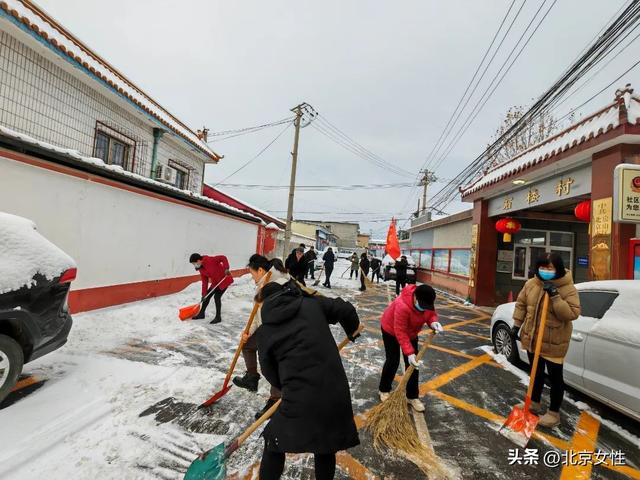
x=626, y=193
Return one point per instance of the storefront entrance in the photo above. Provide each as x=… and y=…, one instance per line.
x=529, y=245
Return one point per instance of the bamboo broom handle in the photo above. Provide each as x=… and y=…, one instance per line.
x=409, y=371
x=536, y=355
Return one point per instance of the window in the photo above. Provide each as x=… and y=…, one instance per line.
x=595, y=304
x=182, y=179
x=531, y=244
x=425, y=259
x=111, y=150
x=415, y=254
x=460, y=260
x=441, y=260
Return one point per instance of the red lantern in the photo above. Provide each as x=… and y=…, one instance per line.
x=507, y=226
x=583, y=211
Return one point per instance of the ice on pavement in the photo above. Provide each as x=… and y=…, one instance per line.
x=17, y=267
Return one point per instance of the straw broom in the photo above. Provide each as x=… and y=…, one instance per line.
x=391, y=426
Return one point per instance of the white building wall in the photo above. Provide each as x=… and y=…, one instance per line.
x=453, y=235
x=117, y=236
x=43, y=100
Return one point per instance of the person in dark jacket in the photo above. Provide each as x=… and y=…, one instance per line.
x=299, y=355
x=354, y=266
x=215, y=275
x=364, y=270
x=401, y=273
x=310, y=258
x=376, y=265
x=297, y=265
x=329, y=261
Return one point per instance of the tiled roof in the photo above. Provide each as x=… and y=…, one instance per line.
x=43, y=26
x=591, y=127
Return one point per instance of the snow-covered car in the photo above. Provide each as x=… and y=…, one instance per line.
x=603, y=360
x=35, y=278
x=389, y=271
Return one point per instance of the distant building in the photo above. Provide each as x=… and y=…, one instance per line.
x=363, y=240
x=346, y=232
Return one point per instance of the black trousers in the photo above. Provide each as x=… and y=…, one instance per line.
x=272, y=465
x=311, y=266
x=328, y=270
x=556, y=382
x=217, y=298
x=376, y=273
x=400, y=282
x=392, y=352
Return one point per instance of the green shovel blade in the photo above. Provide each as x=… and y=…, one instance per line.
x=211, y=467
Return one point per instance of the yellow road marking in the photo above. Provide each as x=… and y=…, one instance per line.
x=584, y=439
x=25, y=382
x=353, y=467
x=464, y=322
x=469, y=334
x=440, y=380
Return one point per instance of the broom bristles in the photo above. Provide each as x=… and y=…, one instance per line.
x=391, y=425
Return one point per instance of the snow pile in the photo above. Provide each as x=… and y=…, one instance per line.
x=591, y=127
x=59, y=39
x=26, y=253
x=506, y=364
x=116, y=168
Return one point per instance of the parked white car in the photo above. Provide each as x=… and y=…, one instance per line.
x=603, y=360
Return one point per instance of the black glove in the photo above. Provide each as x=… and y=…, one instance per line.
x=550, y=288
x=515, y=331
x=353, y=337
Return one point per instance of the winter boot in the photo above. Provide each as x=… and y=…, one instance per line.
x=199, y=316
x=384, y=396
x=217, y=319
x=248, y=381
x=270, y=403
x=550, y=419
x=417, y=405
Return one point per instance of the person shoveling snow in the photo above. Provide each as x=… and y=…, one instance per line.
x=214, y=271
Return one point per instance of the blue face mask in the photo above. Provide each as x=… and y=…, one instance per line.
x=418, y=307
x=546, y=274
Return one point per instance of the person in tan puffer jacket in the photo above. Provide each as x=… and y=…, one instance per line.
x=550, y=276
x=259, y=266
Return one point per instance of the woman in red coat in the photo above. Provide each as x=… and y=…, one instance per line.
x=401, y=323
x=214, y=272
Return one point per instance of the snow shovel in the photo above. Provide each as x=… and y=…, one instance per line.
x=186, y=313
x=210, y=465
x=317, y=282
x=521, y=422
x=225, y=386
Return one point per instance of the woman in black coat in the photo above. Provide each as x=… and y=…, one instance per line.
x=299, y=355
x=364, y=270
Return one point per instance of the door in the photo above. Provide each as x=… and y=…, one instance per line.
x=612, y=359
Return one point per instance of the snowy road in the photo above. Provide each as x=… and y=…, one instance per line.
x=119, y=400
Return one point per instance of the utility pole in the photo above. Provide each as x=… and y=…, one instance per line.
x=427, y=178
x=299, y=111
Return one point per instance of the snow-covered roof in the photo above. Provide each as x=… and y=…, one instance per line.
x=26, y=253
x=42, y=26
x=592, y=126
x=118, y=170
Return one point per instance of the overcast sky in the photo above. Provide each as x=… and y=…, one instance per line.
x=388, y=74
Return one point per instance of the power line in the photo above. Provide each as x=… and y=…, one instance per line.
x=313, y=188
x=597, y=51
x=256, y=156
x=244, y=131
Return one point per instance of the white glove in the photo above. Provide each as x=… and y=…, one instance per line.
x=437, y=327
x=413, y=361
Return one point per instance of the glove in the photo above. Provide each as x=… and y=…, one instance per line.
x=550, y=288
x=437, y=327
x=226, y=272
x=353, y=337
x=413, y=361
x=515, y=331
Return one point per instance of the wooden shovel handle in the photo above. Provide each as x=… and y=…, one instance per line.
x=409, y=371
x=247, y=433
x=254, y=312
x=536, y=355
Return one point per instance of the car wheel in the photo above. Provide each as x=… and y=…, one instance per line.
x=11, y=361
x=504, y=343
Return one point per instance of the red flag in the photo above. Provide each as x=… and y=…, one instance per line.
x=393, y=246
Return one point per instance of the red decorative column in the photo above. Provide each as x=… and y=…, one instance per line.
x=482, y=282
